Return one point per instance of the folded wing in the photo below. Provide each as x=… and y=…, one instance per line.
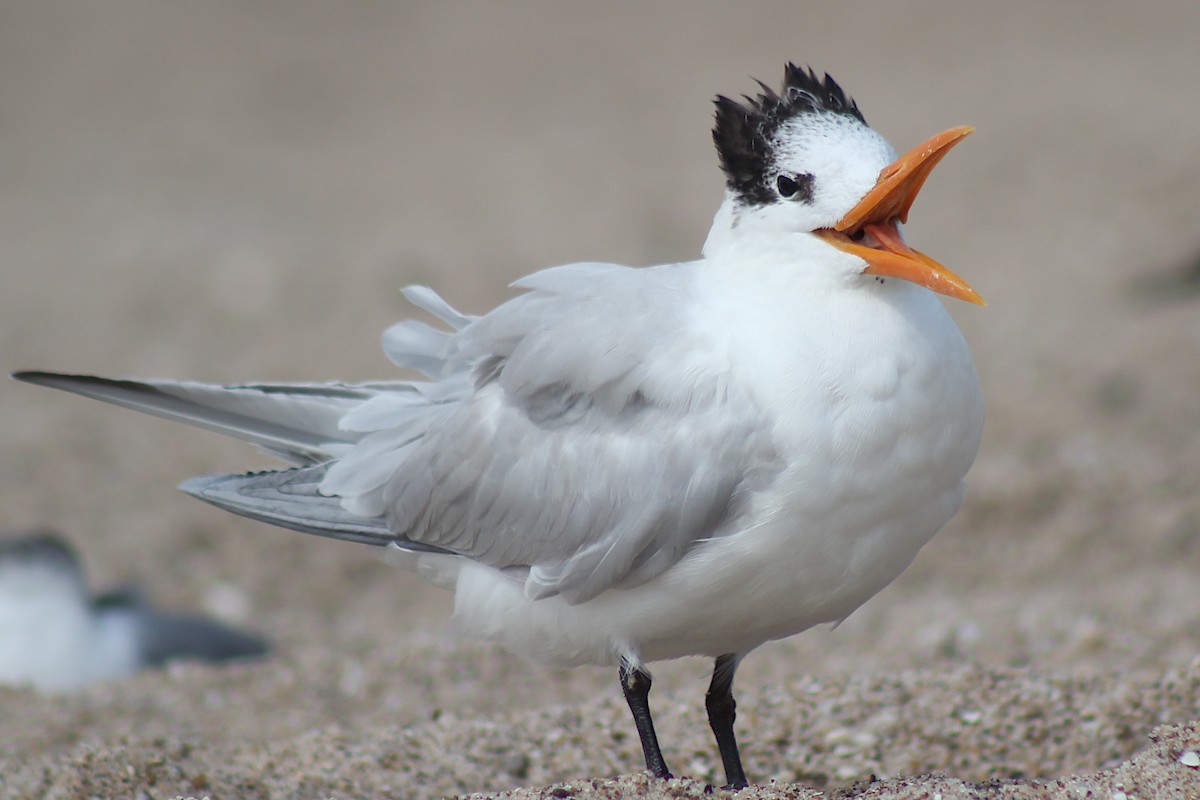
x=582, y=436
x=586, y=431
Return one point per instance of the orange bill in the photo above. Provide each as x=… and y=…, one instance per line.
x=869, y=229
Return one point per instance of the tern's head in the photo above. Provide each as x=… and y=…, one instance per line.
x=39, y=563
x=803, y=160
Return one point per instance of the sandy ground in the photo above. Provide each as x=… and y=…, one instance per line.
x=236, y=191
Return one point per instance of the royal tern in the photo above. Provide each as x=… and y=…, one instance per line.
x=623, y=465
x=55, y=636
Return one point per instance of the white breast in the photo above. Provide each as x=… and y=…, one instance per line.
x=877, y=414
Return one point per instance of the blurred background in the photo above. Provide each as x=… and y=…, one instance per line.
x=237, y=191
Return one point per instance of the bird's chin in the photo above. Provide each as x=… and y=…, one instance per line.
x=887, y=255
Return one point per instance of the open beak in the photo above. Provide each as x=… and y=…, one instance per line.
x=869, y=229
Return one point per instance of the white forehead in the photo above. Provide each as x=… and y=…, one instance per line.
x=844, y=156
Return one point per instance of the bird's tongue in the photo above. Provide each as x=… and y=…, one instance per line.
x=869, y=229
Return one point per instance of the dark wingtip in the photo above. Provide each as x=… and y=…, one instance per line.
x=31, y=376
x=168, y=637
x=61, y=380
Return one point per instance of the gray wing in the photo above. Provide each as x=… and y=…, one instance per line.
x=164, y=637
x=301, y=423
x=587, y=431
x=585, y=434
x=292, y=499
x=297, y=423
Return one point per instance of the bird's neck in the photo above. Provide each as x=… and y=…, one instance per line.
x=746, y=250
x=721, y=234
x=741, y=234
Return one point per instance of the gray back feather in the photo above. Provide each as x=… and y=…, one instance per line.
x=577, y=430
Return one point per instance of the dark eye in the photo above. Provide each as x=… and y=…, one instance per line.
x=795, y=187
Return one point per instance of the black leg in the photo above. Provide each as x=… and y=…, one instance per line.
x=722, y=711
x=635, y=682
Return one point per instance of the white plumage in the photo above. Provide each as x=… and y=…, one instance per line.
x=623, y=465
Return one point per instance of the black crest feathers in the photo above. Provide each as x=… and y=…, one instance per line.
x=743, y=133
